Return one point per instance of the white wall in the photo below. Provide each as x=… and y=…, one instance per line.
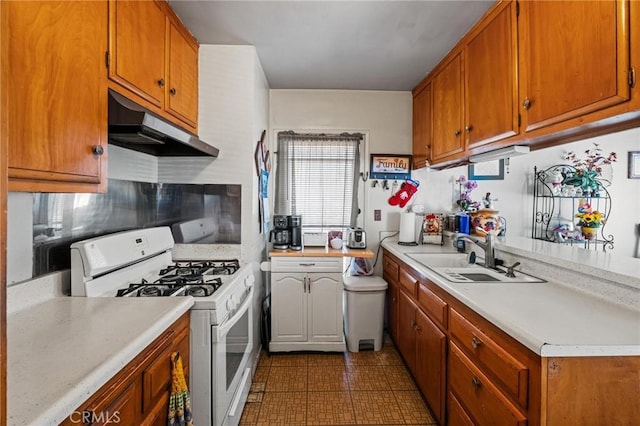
x=233, y=112
x=385, y=117
x=438, y=191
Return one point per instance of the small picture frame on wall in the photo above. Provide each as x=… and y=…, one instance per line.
x=634, y=165
x=390, y=166
x=489, y=170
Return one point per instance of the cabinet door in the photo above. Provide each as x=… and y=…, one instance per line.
x=491, y=91
x=392, y=310
x=137, y=47
x=325, y=307
x=431, y=353
x=574, y=59
x=447, y=112
x=288, y=307
x=182, y=78
x=57, y=105
x=421, y=127
x=119, y=407
x=406, y=330
x=156, y=379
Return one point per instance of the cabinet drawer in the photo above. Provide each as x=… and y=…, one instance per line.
x=390, y=269
x=511, y=372
x=435, y=307
x=306, y=264
x=408, y=282
x=457, y=415
x=478, y=395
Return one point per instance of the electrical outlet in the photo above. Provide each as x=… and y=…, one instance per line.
x=377, y=215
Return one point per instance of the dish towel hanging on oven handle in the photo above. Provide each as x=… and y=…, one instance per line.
x=179, y=401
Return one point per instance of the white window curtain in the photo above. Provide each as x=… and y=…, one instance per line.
x=317, y=178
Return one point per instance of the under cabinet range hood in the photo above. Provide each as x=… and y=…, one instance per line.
x=134, y=127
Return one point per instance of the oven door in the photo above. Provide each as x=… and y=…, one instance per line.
x=232, y=342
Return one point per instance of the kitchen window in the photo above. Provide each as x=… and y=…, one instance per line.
x=317, y=178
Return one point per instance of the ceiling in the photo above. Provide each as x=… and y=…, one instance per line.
x=348, y=45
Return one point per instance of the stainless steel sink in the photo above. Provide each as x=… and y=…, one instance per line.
x=439, y=260
x=455, y=267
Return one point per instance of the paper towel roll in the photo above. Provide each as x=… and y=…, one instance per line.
x=407, y=228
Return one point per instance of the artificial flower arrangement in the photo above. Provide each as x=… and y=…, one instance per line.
x=589, y=218
x=588, y=171
x=466, y=187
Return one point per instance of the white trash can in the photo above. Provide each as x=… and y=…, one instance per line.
x=364, y=311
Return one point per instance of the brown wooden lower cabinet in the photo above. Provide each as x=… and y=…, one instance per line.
x=457, y=415
x=406, y=340
x=479, y=395
x=431, y=363
x=485, y=377
x=392, y=309
x=139, y=393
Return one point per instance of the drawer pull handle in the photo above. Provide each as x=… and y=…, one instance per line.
x=307, y=264
x=475, y=342
x=475, y=382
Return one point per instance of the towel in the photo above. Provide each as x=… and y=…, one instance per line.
x=179, y=402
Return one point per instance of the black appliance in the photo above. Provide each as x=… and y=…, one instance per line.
x=295, y=232
x=280, y=234
x=134, y=127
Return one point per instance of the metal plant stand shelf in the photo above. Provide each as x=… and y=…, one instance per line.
x=551, y=209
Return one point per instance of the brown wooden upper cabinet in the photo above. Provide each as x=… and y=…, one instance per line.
x=182, y=78
x=448, y=112
x=532, y=72
x=574, y=59
x=137, y=48
x=421, y=127
x=475, y=93
x=154, y=58
x=491, y=90
x=55, y=77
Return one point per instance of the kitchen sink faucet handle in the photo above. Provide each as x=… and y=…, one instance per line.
x=510, y=272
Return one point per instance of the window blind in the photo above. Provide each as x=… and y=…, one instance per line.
x=317, y=178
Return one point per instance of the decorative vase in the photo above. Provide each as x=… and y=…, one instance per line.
x=486, y=221
x=589, y=233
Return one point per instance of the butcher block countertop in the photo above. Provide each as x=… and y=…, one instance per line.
x=323, y=252
x=63, y=350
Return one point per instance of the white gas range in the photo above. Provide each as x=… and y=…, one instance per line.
x=139, y=264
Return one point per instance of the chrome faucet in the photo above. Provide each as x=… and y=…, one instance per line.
x=487, y=246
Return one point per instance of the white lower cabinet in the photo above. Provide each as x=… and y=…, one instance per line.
x=306, y=304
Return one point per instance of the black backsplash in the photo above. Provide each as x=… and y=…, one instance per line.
x=62, y=219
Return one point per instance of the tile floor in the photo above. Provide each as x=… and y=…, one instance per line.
x=370, y=388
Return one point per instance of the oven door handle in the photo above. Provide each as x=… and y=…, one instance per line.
x=219, y=331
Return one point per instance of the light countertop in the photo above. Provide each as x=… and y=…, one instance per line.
x=63, y=350
x=550, y=318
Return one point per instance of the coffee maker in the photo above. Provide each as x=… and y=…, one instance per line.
x=295, y=232
x=280, y=235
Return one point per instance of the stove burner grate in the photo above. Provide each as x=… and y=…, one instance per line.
x=195, y=288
